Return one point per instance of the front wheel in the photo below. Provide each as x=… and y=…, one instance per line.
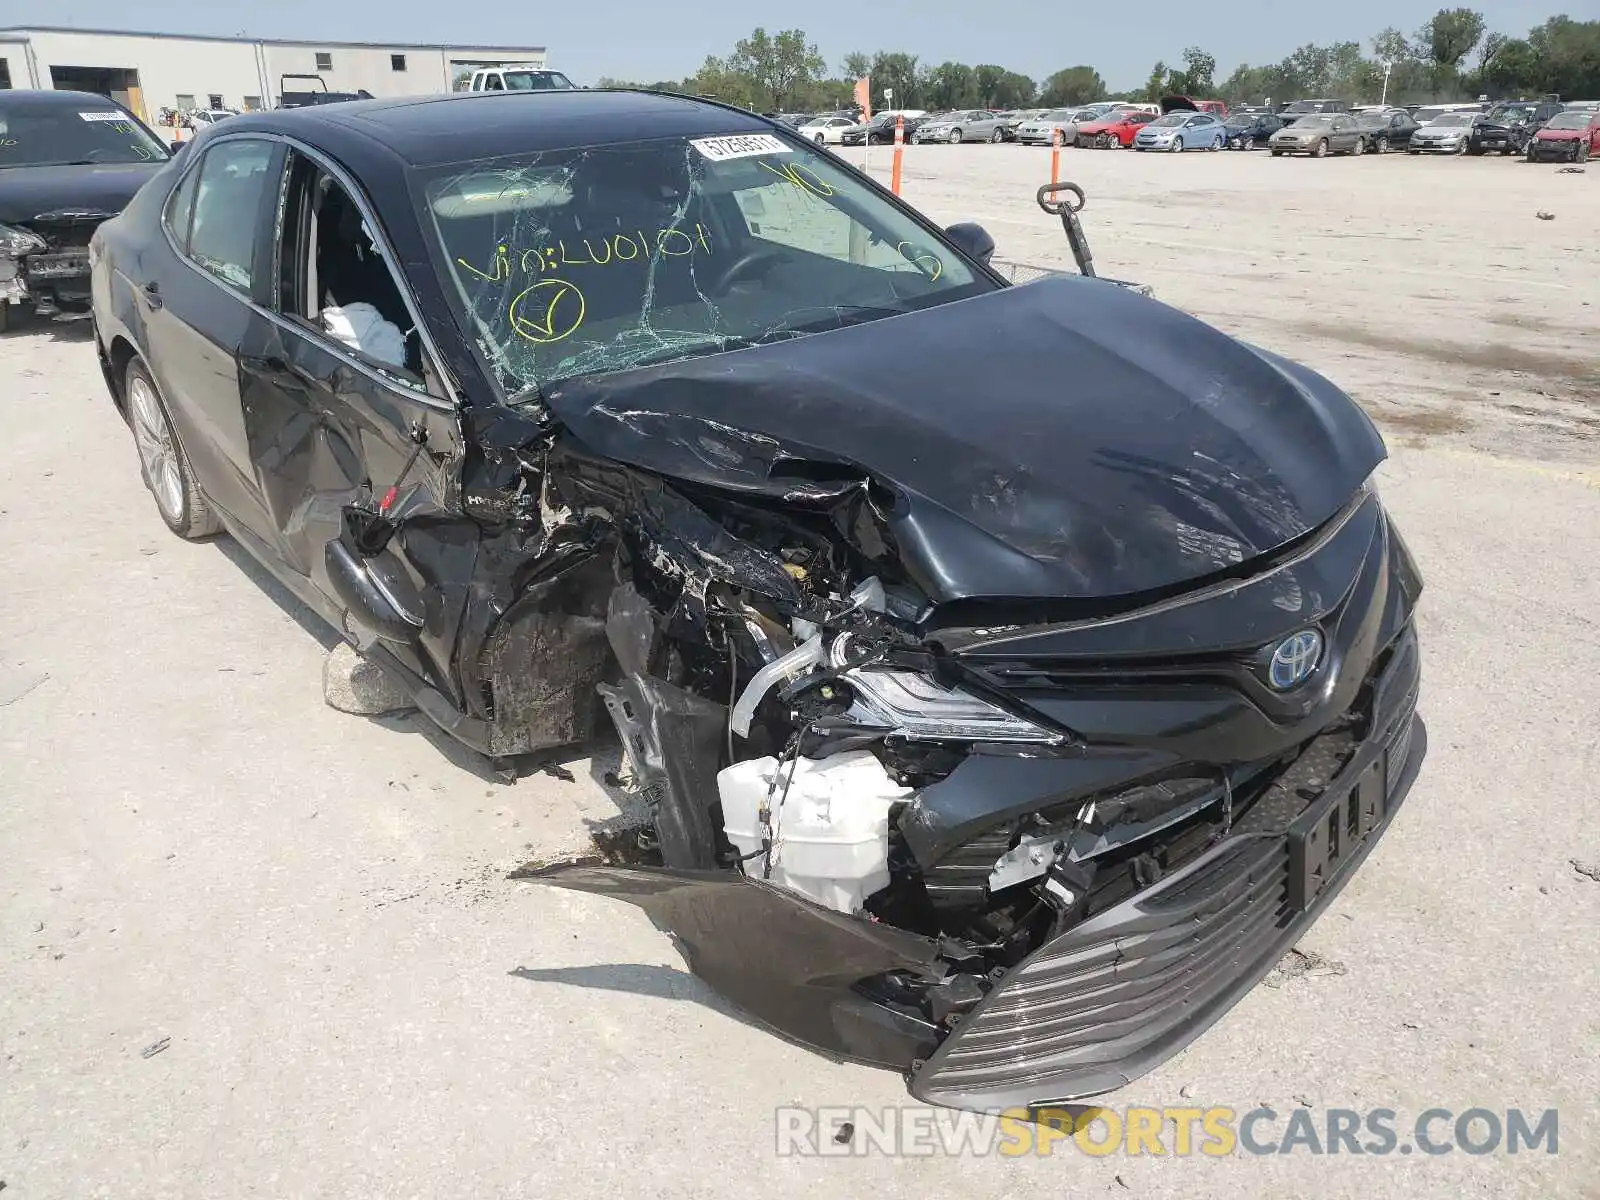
x=1277, y=154
x=955, y=137
x=1583, y=153
x=1382, y=145
x=1322, y=149
x=997, y=136
x=822, y=139
x=162, y=462
x=1216, y=142
x=1361, y=146
x=1175, y=146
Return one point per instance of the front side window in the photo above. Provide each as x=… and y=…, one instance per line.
x=234, y=179
x=74, y=135
x=599, y=259
x=334, y=280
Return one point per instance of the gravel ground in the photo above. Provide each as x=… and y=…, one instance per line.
x=253, y=945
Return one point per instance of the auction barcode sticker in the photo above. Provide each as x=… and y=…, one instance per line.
x=748, y=145
x=113, y=115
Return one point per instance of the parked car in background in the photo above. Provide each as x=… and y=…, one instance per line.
x=201, y=117
x=530, y=77
x=1507, y=126
x=1385, y=129
x=1051, y=123
x=1216, y=108
x=1114, y=130
x=1318, y=134
x=1250, y=130
x=1018, y=118
x=968, y=125
x=68, y=162
x=1178, y=131
x=1303, y=108
x=827, y=130
x=1568, y=136
x=1445, y=134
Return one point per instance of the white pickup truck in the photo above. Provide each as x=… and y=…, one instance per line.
x=518, y=77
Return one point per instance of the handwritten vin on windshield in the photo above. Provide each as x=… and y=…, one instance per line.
x=593, y=252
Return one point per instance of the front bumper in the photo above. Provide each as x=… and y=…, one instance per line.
x=1428, y=147
x=1104, y=1002
x=1551, y=151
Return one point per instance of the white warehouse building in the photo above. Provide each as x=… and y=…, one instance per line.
x=147, y=72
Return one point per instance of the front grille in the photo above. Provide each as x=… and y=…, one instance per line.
x=1105, y=1001
x=1110, y=990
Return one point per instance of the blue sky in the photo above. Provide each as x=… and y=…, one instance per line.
x=648, y=39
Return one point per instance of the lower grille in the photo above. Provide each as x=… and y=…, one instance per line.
x=1105, y=1001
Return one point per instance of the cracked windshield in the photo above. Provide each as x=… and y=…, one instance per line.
x=584, y=261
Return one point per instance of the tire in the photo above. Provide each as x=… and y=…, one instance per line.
x=1582, y=155
x=821, y=139
x=1361, y=147
x=162, y=462
x=1322, y=149
x=1175, y=146
x=1381, y=146
x=1475, y=151
x=5, y=316
x=1529, y=155
x=955, y=137
x=1216, y=143
x=1277, y=154
x=997, y=137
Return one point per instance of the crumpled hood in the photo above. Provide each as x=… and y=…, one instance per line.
x=1068, y=438
x=29, y=192
x=1560, y=135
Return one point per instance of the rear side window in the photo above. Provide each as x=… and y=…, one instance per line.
x=230, y=198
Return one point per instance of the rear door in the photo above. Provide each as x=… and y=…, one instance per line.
x=344, y=398
x=198, y=307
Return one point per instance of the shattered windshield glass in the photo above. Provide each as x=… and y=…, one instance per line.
x=586, y=261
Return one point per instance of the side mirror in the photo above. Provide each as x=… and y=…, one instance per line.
x=973, y=238
x=176, y=148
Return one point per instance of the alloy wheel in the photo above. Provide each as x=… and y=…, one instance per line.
x=955, y=137
x=158, y=453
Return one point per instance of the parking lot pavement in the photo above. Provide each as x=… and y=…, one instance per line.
x=302, y=916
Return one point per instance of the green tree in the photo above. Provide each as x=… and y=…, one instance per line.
x=777, y=67
x=1451, y=36
x=1199, y=70
x=856, y=64
x=950, y=85
x=896, y=70
x=1014, y=90
x=1073, y=85
x=1156, y=84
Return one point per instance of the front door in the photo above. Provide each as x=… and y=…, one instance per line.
x=342, y=402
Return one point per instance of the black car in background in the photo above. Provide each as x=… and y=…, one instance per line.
x=68, y=161
x=1002, y=728
x=1386, y=129
x=1250, y=130
x=1508, y=125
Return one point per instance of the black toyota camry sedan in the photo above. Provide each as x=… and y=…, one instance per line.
x=1001, y=723
x=68, y=161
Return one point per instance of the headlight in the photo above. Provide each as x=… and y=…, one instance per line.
x=920, y=708
x=14, y=243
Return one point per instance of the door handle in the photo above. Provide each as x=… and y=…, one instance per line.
x=152, y=294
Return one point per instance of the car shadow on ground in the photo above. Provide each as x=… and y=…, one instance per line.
x=647, y=979
x=77, y=331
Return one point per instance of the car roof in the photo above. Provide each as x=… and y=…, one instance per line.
x=25, y=100
x=427, y=131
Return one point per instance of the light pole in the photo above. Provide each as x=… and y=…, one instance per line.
x=1387, y=67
